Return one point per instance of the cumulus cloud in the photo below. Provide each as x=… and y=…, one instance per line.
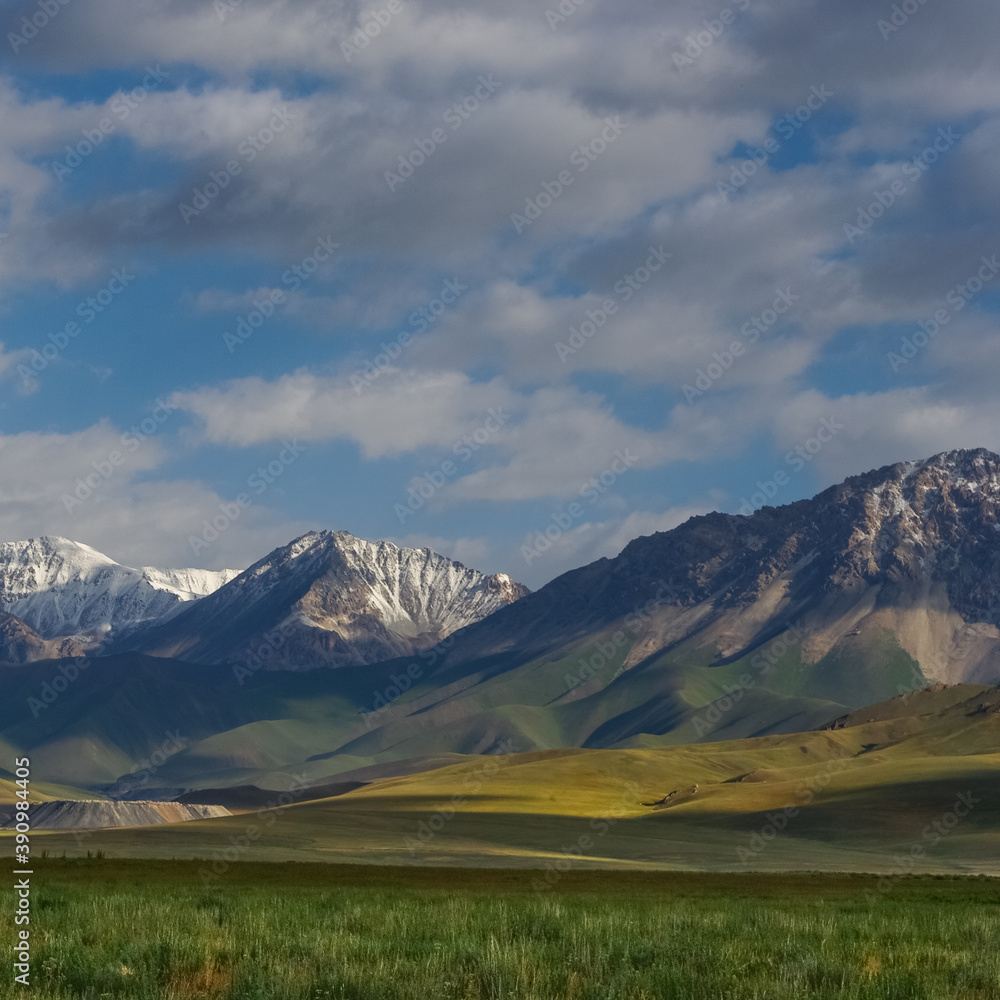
x=545, y=443
x=590, y=148
x=397, y=413
x=869, y=430
x=92, y=486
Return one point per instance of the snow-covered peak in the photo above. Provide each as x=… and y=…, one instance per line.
x=411, y=591
x=61, y=587
x=339, y=600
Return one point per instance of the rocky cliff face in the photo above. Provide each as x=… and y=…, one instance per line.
x=330, y=599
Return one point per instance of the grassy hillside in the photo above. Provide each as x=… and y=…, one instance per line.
x=121, y=713
x=859, y=797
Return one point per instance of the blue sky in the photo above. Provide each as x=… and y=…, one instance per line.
x=587, y=279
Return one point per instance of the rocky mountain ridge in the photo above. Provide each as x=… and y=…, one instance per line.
x=913, y=548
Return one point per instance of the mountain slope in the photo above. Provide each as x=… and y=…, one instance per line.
x=335, y=600
x=912, y=547
x=59, y=587
x=20, y=643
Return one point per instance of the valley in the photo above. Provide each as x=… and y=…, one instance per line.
x=829, y=666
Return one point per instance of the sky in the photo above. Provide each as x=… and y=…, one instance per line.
x=518, y=281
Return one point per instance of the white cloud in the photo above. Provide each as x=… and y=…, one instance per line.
x=545, y=443
x=654, y=185
x=10, y=359
x=876, y=429
x=74, y=485
x=396, y=413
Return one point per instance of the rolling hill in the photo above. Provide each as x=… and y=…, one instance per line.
x=911, y=788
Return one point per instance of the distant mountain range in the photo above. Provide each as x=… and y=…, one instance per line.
x=61, y=588
x=724, y=628
x=330, y=600
x=326, y=599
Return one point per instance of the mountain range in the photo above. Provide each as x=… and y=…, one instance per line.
x=61, y=588
x=329, y=598
x=336, y=660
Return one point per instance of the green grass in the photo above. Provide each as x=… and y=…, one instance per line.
x=125, y=929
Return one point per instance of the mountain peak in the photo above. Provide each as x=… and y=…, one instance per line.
x=959, y=464
x=61, y=587
x=337, y=600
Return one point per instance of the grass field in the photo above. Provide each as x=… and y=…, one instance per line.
x=134, y=929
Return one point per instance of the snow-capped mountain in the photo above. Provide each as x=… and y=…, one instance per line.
x=335, y=600
x=60, y=588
